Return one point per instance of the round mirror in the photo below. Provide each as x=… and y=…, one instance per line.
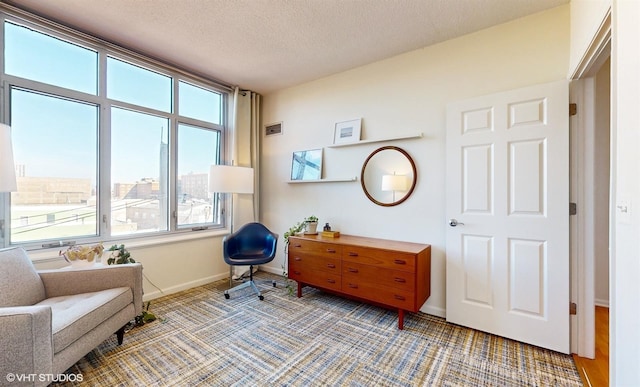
x=388, y=176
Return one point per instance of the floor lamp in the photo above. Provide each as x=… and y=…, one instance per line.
x=394, y=183
x=232, y=180
x=7, y=168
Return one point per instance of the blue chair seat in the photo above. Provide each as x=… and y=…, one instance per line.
x=252, y=244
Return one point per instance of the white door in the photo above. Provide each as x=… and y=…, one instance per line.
x=508, y=190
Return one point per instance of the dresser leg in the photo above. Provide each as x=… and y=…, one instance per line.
x=299, y=289
x=400, y=319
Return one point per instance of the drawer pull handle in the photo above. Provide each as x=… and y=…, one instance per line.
x=352, y=254
x=352, y=270
x=400, y=261
x=297, y=259
x=353, y=286
x=401, y=280
x=331, y=281
x=296, y=272
x=398, y=297
x=331, y=266
x=297, y=245
x=331, y=251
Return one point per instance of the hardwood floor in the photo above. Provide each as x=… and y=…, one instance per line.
x=595, y=372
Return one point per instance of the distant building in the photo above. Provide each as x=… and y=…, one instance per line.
x=145, y=189
x=194, y=186
x=51, y=190
x=145, y=216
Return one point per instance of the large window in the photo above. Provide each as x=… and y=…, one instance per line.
x=106, y=145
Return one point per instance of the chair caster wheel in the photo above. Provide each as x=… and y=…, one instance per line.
x=274, y=284
x=226, y=296
x=261, y=298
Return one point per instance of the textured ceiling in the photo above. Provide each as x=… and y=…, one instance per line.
x=266, y=45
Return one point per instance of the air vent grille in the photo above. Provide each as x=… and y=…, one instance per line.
x=273, y=129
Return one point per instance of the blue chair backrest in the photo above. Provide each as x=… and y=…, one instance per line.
x=252, y=239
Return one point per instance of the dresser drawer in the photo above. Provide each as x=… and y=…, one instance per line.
x=396, y=279
x=318, y=278
x=315, y=263
x=297, y=245
x=382, y=258
x=397, y=298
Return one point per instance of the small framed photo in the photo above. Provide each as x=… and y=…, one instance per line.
x=347, y=131
x=307, y=165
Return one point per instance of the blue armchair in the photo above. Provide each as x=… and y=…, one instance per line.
x=252, y=244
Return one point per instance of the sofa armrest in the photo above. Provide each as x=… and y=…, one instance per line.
x=26, y=340
x=63, y=282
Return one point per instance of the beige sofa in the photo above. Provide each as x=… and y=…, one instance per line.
x=51, y=319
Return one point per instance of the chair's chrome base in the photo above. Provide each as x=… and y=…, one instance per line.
x=247, y=284
x=250, y=283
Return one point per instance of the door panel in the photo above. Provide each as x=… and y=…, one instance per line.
x=527, y=177
x=507, y=187
x=527, y=277
x=477, y=258
x=477, y=171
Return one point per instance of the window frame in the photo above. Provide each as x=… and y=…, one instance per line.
x=104, y=185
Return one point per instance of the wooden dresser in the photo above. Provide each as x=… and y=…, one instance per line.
x=383, y=272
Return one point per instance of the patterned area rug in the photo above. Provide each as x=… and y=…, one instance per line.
x=319, y=339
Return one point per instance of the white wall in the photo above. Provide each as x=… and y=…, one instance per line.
x=624, y=320
x=586, y=18
x=406, y=93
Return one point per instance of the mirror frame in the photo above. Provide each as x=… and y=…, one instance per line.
x=413, y=168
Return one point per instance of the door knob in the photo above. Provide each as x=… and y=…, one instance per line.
x=454, y=222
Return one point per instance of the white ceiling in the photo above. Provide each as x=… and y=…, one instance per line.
x=267, y=45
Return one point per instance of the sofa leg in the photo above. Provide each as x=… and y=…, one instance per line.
x=120, y=334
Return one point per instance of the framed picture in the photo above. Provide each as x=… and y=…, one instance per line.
x=307, y=165
x=347, y=131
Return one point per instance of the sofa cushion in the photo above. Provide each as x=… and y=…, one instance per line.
x=20, y=284
x=73, y=316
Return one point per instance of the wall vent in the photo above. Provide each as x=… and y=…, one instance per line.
x=271, y=129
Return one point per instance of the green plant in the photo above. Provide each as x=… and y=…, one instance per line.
x=311, y=219
x=119, y=255
x=293, y=230
x=145, y=316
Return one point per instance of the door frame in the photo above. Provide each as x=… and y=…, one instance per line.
x=582, y=92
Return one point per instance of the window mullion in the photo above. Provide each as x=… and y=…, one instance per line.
x=104, y=142
x=173, y=164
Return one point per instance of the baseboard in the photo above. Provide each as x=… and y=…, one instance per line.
x=271, y=270
x=184, y=286
x=600, y=302
x=434, y=311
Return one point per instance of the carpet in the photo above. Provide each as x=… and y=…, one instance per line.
x=318, y=340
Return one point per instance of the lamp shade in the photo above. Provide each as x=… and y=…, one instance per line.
x=7, y=167
x=394, y=182
x=230, y=179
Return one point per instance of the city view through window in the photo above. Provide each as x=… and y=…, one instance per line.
x=70, y=139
